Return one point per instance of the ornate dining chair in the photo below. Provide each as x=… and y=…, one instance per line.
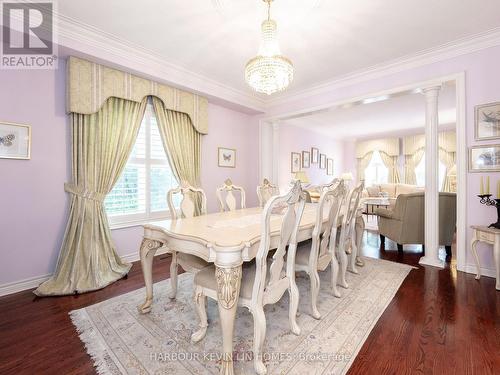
x=317, y=255
x=266, y=191
x=229, y=202
x=265, y=281
x=347, y=249
x=187, y=208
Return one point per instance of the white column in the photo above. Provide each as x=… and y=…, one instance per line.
x=266, y=151
x=431, y=257
x=276, y=153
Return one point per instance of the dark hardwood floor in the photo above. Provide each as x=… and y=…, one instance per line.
x=439, y=322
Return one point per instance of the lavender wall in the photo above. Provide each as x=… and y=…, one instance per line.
x=296, y=139
x=34, y=205
x=482, y=86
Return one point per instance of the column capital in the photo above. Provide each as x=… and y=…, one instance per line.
x=431, y=90
x=276, y=125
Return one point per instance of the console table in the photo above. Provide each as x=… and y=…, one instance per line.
x=490, y=236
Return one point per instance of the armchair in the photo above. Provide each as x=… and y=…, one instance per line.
x=404, y=224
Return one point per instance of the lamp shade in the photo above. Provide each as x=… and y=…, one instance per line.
x=347, y=176
x=302, y=177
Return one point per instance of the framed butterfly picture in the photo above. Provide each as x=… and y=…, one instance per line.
x=227, y=157
x=15, y=141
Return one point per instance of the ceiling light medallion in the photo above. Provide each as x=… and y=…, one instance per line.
x=269, y=71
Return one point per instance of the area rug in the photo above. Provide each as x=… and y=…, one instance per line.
x=120, y=340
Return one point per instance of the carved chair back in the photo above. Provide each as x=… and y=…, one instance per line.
x=266, y=191
x=291, y=207
x=229, y=202
x=330, y=185
x=349, y=217
x=324, y=236
x=188, y=205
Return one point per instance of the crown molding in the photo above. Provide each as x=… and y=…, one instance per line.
x=88, y=40
x=463, y=46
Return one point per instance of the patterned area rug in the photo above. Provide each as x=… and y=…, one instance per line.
x=122, y=341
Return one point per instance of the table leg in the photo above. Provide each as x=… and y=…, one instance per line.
x=476, y=257
x=496, y=257
x=147, y=253
x=228, y=291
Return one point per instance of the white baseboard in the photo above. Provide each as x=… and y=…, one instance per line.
x=471, y=268
x=19, y=286
x=34, y=282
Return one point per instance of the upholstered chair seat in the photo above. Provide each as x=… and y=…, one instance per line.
x=206, y=279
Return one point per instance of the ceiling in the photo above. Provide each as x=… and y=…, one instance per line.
x=402, y=113
x=325, y=39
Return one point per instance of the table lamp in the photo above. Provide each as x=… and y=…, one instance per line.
x=302, y=177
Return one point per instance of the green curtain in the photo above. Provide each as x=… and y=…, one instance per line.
x=102, y=143
x=182, y=143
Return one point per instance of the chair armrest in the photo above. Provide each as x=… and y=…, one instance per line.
x=383, y=212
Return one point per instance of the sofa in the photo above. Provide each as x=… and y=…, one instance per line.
x=391, y=191
x=404, y=224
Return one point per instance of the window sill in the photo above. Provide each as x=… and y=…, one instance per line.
x=136, y=223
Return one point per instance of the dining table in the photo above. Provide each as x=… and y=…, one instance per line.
x=227, y=239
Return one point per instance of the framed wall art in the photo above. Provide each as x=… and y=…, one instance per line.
x=484, y=158
x=15, y=141
x=322, y=161
x=227, y=157
x=314, y=155
x=487, y=121
x=329, y=167
x=295, y=162
x=306, y=159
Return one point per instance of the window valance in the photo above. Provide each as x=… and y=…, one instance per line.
x=413, y=143
x=390, y=146
x=89, y=85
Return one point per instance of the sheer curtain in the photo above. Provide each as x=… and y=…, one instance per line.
x=391, y=162
x=449, y=160
x=363, y=163
x=411, y=162
x=101, y=145
x=182, y=143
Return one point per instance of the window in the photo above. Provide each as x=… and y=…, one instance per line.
x=376, y=172
x=141, y=191
x=420, y=173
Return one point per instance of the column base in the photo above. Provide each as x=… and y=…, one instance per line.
x=428, y=261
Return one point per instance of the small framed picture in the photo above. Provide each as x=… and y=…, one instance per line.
x=322, y=161
x=227, y=157
x=314, y=155
x=487, y=121
x=306, y=159
x=329, y=167
x=295, y=162
x=15, y=141
x=484, y=158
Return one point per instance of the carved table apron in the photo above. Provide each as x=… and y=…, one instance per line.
x=226, y=239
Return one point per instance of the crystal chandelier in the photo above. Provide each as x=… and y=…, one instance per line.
x=269, y=71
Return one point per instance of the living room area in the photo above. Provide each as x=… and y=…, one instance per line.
x=381, y=140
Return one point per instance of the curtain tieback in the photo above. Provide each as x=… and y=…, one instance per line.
x=84, y=193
